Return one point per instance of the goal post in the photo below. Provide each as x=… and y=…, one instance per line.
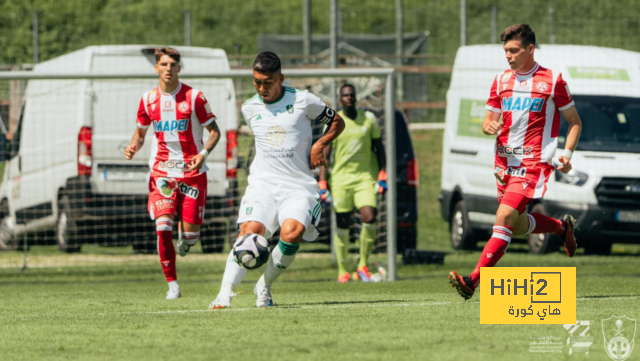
x=385, y=74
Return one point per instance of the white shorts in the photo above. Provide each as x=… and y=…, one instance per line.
x=271, y=204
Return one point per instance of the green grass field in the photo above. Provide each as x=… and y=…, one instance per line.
x=108, y=304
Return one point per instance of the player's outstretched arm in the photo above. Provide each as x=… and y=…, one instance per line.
x=332, y=132
x=214, y=136
x=491, y=124
x=573, y=135
x=137, y=141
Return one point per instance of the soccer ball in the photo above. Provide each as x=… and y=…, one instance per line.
x=251, y=251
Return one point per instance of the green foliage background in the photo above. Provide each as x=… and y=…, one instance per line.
x=74, y=24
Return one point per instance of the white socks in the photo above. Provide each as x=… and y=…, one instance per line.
x=281, y=258
x=233, y=275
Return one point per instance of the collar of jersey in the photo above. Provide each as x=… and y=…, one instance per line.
x=284, y=91
x=173, y=92
x=535, y=67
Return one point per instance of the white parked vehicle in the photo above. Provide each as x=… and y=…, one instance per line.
x=602, y=191
x=67, y=177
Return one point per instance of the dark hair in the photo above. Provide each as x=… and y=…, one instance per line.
x=267, y=62
x=522, y=32
x=171, y=52
x=347, y=85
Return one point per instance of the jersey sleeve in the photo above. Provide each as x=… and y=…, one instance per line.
x=561, y=95
x=493, y=104
x=245, y=114
x=143, y=121
x=375, y=126
x=316, y=109
x=203, y=110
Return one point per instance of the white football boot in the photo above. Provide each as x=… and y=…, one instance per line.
x=263, y=294
x=174, y=293
x=183, y=248
x=222, y=301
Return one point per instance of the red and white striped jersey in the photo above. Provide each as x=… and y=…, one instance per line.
x=178, y=119
x=530, y=105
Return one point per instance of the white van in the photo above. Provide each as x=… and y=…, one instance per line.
x=602, y=191
x=67, y=173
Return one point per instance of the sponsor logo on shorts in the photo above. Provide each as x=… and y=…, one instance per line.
x=502, y=174
x=166, y=186
x=189, y=191
x=524, y=185
x=172, y=164
x=163, y=204
x=515, y=152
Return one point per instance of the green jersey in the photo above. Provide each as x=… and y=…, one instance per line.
x=353, y=160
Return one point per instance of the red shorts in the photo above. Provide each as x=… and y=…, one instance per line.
x=187, y=196
x=517, y=187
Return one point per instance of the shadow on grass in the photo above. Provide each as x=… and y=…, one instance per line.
x=337, y=303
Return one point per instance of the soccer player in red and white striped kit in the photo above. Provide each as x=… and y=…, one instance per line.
x=178, y=181
x=530, y=99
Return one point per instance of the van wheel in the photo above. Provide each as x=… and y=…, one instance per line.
x=542, y=243
x=67, y=228
x=462, y=236
x=8, y=241
x=595, y=247
x=212, y=238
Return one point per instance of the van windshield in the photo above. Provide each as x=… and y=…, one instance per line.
x=609, y=124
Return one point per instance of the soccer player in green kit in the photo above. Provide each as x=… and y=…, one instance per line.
x=358, y=160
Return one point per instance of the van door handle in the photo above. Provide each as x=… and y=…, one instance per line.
x=464, y=151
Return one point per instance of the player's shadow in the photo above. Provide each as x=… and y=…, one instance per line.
x=608, y=296
x=338, y=303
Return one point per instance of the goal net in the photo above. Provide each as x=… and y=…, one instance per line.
x=67, y=188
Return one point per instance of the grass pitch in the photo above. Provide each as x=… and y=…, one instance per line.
x=108, y=304
x=117, y=311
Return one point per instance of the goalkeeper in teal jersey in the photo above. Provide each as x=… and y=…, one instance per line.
x=357, y=173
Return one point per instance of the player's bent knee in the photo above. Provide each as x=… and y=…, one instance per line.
x=292, y=231
x=368, y=214
x=253, y=227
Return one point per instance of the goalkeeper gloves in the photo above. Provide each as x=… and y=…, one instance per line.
x=382, y=182
x=325, y=195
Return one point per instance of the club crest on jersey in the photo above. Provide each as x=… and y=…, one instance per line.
x=166, y=186
x=542, y=86
x=521, y=103
x=184, y=107
x=506, y=77
x=290, y=108
x=189, y=191
x=170, y=125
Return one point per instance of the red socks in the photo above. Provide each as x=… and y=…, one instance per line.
x=540, y=223
x=493, y=251
x=164, y=227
